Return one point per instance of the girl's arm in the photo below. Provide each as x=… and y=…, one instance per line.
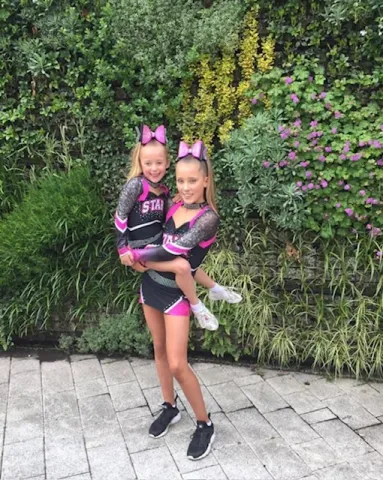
x=129, y=194
x=204, y=229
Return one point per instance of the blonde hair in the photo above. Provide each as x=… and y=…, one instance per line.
x=135, y=161
x=205, y=165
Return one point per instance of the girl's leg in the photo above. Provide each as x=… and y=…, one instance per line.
x=156, y=324
x=177, y=334
x=203, y=279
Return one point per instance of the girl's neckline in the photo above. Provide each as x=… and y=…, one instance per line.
x=153, y=184
x=202, y=206
x=194, y=206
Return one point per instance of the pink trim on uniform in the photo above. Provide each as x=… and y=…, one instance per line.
x=123, y=251
x=145, y=190
x=175, y=249
x=180, y=309
x=172, y=210
x=207, y=243
x=120, y=224
x=165, y=188
x=141, y=297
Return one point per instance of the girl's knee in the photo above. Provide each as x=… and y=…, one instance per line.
x=159, y=350
x=182, y=267
x=178, y=367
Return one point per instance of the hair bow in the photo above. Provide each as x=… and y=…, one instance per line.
x=197, y=150
x=146, y=135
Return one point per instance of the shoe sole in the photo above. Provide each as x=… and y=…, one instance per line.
x=175, y=420
x=207, y=451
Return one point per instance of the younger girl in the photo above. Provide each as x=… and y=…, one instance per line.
x=190, y=229
x=140, y=216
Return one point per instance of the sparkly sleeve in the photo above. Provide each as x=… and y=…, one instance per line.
x=128, y=196
x=204, y=230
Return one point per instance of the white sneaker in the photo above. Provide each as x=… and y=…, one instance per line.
x=206, y=319
x=227, y=294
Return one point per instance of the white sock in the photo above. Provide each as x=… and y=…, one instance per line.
x=217, y=288
x=197, y=307
x=208, y=423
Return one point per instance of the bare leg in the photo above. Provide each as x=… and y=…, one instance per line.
x=203, y=279
x=156, y=324
x=184, y=278
x=177, y=334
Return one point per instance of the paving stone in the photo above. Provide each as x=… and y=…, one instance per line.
x=285, y=385
x=178, y=445
x=155, y=464
x=303, y=402
x=316, y=454
x=348, y=384
x=229, y=397
x=290, y=426
x=342, y=439
x=24, y=383
x=57, y=376
x=368, y=467
x=378, y=386
x=209, y=473
x=29, y=427
x=133, y=413
x=4, y=389
x=200, y=366
x=100, y=424
x=118, y=372
x=146, y=375
x=306, y=377
x=139, y=361
x=5, y=367
x=267, y=373
x=215, y=375
x=373, y=436
x=127, y=395
x=240, y=371
x=211, y=405
x=342, y=471
x=265, y=398
x=136, y=434
x=85, y=476
x=324, y=389
x=110, y=360
x=96, y=386
x=22, y=460
x=110, y=462
x=60, y=404
x=80, y=357
x=310, y=477
x=24, y=406
x=240, y=462
x=226, y=433
x=369, y=398
x=86, y=370
x=282, y=462
x=248, y=380
x=321, y=415
x=153, y=397
x=353, y=414
x=24, y=364
x=252, y=426
x=64, y=448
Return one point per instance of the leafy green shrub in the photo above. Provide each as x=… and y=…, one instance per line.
x=335, y=145
x=246, y=156
x=116, y=334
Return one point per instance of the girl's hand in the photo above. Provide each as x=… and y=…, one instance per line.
x=127, y=260
x=138, y=267
x=177, y=198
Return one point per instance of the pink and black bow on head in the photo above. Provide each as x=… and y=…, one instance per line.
x=146, y=135
x=197, y=150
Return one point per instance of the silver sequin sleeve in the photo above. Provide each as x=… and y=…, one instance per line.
x=128, y=196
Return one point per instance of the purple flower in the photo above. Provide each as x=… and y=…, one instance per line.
x=283, y=163
x=254, y=101
x=349, y=211
x=379, y=254
x=296, y=144
x=356, y=157
x=261, y=96
x=304, y=164
x=347, y=187
x=318, y=148
x=310, y=186
x=281, y=128
x=372, y=201
x=313, y=96
x=338, y=205
x=292, y=155
x=375, y=232
x=362, y=144
x=266, y=164
x=328, y=106
x=288, y=80
x=334, y=130
x=297, y=123
x=313, y=124
x=368, y=226
x=311, y=135
x=380, y=162
x=314, y=143
x=323, y=95
x=286, y=134
x=304, y=188
x=317, y=187
x=310, y=79
x=342, y=156
x=346, y=147
x=377, y=144
x=309, y=174
x=381, y=127
x=362, y=192
x=322, y=158
x=324, y=184
x=294, y=98
x=320, y=133
x=337, y=114
x=328, y=149
x=341, y=182
x=299, y=184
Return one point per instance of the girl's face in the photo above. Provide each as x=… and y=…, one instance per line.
x=191, y=181
x=153, y=161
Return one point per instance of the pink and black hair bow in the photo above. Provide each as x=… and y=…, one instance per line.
x=197, y=150
x=146, y=135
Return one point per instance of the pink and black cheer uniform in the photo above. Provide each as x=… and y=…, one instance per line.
x=192, y=240
x=140, y=215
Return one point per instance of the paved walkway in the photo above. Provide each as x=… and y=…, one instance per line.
x=82, y=418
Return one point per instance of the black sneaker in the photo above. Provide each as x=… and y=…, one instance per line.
x=202, y=440
x=169, y=416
